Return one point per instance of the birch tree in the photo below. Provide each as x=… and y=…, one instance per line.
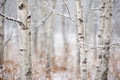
x=65, y=24
x=24, y=39
x=104, y=42
x=81, y=37
x=107, y=41
x=43, y=32
x=2, y=34
x=100, y=41
x=50, y=37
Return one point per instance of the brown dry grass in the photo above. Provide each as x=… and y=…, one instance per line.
x=59, y=68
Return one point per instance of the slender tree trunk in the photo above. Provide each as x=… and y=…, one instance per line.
x=24, y=39
x=43, y=33
x=2, y=36
x=80, y=24
x=100, y=42
x=78, y=52
x=64, y=29
x=78, y=49
x=50, y=37
x=106, y=43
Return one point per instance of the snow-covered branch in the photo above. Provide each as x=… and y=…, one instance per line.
x=61, y=14
x=12, y=19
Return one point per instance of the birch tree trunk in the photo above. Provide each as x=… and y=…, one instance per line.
x=50, y=37
x=43, y=33
x=65, y=24
x=78, y=49
x=106, y=42
x=80, y=24
x=2, y=35
x=24, y=39
x=100, y=41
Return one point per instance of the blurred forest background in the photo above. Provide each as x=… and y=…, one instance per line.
x=39, y=39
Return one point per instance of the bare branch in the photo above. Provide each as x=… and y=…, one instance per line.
x=67, y=7
x=61, y=14
x=42, y=22
x=115, y=44
x=9, y=38
x=12, y=19
x=52, y=11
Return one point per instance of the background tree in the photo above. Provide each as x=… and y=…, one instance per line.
x=2, y=34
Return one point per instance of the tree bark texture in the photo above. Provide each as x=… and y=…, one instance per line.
x=81, y=37
x=24, y=39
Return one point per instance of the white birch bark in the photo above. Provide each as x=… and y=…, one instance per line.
x=80, y=24
x=106, y=43
x=100, y=41
x=24, y=40
x=78, y=49
x=2, y=35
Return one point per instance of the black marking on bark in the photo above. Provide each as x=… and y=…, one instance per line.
x=3, y=21
x=22, y=49
x=105, y=75
x=29, y=17
x=29, y=33
x=100, y=56
x=85, y=61
x=24, y=28
x=21, y=6
x=106, y=56
x=99, y=36
x=1, y=35
x=81, y=20
x=84, y=70
x=110, y=14
x=79, y=33
x=29, y=72
x=106, y=47
x=102, y=7
x=98, y=69
x=82, y=36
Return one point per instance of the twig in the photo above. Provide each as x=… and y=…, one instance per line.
x=9, y=38
x=115, y=44
x=61, y=14
x=43, y=22
x=67, y=7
